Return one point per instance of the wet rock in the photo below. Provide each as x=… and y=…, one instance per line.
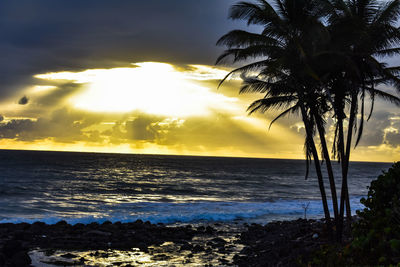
x=69, y=256
x=11, y=247
x=186, y=246
x=93, y=225
x=218, y=240
x=38, y=227
x=97, y=232
x=2, y=259
x=21, y=259
x=209, y=230
x=197, y=248
x=61, y=223
x=23, y=226
x=201, y=229
x=278, y=243
x=224, y=261
x=161, y=257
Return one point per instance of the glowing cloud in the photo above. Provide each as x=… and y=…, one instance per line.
x=150, y=87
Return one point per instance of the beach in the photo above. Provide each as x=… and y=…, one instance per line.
x=284, y=243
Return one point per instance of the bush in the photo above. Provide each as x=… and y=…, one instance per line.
x=376, y=233
x=376, y=236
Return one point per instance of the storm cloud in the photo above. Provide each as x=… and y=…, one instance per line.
x=49, y=36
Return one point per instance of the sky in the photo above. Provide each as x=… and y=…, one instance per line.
x=140, y=77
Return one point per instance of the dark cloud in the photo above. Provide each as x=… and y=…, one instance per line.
x=374, y=129
x=46, y=35
x=393, y=138
x=141, y=129
x=23, y=100
x=218, y=131
x=62, y=125
x=69, y=126
x=16, y=129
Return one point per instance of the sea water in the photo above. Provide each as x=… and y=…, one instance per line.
x=87, y=187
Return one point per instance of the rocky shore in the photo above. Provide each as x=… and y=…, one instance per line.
x=277, y=243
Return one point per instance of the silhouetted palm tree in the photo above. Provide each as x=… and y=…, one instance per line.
x=360, y=31
x=282, y=48
x=317, y=70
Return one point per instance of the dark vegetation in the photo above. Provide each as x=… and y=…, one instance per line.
x=321, y=60
x=376, y=233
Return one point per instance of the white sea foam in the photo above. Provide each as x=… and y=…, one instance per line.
x=193, y=212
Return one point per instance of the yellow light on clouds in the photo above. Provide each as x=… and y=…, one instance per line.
x=154, y=88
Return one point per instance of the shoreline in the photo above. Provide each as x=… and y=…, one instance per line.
x=133, y=243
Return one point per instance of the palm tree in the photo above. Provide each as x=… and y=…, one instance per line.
x=305, y=66
x=280, y=55
x=361, y=31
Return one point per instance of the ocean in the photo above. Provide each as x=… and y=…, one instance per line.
x=95, y=187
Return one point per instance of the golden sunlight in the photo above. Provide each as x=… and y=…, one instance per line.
x=150, y=87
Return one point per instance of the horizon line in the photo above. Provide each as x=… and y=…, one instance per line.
x=176, y=155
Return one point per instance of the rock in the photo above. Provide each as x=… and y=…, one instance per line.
x=69, y=256
x=38, y=228
x=23, y=226
x=2, y=259
x=93, y=225
x=11, y=247
x=161, y=257
x=201, y=229
x=209, y=230
x=197, y=248
x=21, y=259
x=61, y=223
x=78, y=226
x=218, y=240
x=186, y=246
x=97, y=232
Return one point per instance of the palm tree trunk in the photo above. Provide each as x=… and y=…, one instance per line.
x=317, y=165
x=348, y=150
x=343, y=194
x=325, y=152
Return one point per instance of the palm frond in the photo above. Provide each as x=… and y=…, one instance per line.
x=244, y=54
x=388, y=52
x=245, y=69
x=384, y=95
x=254, y=14
x=241, y=38
x=388, y=13
x=292, y=109
x=265, y=104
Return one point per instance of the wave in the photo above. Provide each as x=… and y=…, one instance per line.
x=193, y=212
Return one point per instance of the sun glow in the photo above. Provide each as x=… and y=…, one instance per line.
x=150, y=87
